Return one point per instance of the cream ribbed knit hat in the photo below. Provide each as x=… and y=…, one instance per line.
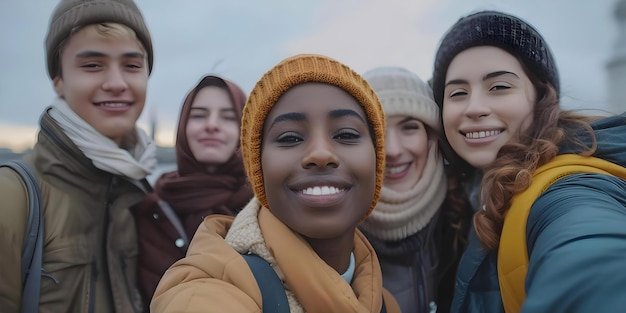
x=403, y=93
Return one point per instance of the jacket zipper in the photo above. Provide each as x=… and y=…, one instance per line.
x=92, y=285
x=420, y=277
x=104, y=240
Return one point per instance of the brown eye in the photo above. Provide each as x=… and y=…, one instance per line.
x=347, y=135
x=458, y=93
x=499, y=87
x=288, y=139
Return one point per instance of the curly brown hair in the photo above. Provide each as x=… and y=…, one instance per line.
x=515, y=163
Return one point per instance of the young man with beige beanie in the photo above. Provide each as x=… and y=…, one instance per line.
x=312, y=138
x=90, y=161
x=416, y=230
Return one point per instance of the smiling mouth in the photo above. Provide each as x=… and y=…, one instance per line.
x=321, y=191
x=113, y=105
x=391, y=170
x=481, y=134
x=210, y=141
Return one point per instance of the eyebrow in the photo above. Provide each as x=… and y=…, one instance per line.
x=292, y=116
x=499, y=73
x=339, y=113
x=96, y=54
x=207, y=110
x=408, y=119
x=487, y=76
x=297, y=117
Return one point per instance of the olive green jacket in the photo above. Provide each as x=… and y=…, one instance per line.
x=90, y=245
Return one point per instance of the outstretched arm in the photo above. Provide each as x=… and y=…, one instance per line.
x=577, y=246
x=211, y=278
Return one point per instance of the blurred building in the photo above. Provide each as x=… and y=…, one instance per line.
x=616, y=66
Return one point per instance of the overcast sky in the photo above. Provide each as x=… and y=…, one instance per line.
x=242, y=39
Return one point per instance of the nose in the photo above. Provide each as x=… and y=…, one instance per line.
x=212, y=121
x=477, y=106
x=115, y=82
x=320, y=153
x=392, y=145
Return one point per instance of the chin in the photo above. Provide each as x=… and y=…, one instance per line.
x=398, y=187
x=481, y=162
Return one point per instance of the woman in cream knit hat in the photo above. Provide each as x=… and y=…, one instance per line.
x=312, y=141
x=415, y=231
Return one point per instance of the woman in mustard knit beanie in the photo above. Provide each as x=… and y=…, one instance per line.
x=312, y=143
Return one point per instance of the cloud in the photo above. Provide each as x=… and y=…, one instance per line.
x=241, y=40
x=373, y=33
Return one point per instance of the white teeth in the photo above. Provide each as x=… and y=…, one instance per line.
x=114, y=105
x=482, y=134
x=321, y=191
x=397, y=169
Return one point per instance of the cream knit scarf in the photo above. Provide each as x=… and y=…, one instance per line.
x=245, y=236
x=399, y=215
x=105, y=154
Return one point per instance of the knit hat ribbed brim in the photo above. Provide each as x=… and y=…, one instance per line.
x=402, y=92
x=293, y=71
x=492, y=28
x=70, y=14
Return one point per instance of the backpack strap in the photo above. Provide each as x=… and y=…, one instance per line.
x=272, y=289
x=32, y=251
x=512, y=250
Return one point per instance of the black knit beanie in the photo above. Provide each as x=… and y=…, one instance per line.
x=69, y=14
x=492, y=28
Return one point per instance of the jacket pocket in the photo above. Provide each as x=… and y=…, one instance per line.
x=66, y=271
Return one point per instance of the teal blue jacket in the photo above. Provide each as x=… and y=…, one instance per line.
x=576, y=237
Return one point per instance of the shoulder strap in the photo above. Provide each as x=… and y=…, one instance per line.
x=32, y=253
x=272, y=289
x=513, y=251
x=173, y=218
x=183, y=241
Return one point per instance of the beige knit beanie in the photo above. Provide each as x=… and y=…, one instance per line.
x=69, y=14
x=296, y=70
x=402, y=92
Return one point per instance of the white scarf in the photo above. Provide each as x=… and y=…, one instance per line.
x=399, y=215
x=102, y=151
x=245, y=236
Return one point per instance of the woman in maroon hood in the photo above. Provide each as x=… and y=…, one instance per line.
x=209, y=179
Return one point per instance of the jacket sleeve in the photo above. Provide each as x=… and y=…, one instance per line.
x=211, y=278
x=13, y=206
x=577, y=246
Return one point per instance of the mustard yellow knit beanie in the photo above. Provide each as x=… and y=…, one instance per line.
x=296, y=70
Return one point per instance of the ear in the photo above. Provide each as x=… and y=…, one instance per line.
x=58, y=86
